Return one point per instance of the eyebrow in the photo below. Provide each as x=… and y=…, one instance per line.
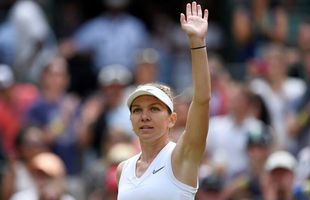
x=153, y=104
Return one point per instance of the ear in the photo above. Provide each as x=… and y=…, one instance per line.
x=172, y=120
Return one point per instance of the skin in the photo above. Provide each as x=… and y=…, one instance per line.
x=278, y=184
x=55, y=79
x=151, y=120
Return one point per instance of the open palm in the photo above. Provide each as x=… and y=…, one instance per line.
x=195, y=23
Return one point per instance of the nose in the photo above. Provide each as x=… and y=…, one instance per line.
x=145, y=116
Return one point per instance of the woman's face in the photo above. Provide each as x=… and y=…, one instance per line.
x=150, y=118
x=55, y=77
x=275, y=64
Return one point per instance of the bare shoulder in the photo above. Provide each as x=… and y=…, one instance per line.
x=119, y=171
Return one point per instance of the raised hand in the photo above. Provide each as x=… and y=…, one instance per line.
x=195, y=23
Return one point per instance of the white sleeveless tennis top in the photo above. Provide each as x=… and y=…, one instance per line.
x=157, y=183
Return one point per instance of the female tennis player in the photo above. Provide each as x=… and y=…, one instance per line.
x=164, y=170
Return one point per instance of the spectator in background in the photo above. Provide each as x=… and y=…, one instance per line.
x=170, y=42
x=34, y=41
x=270, y=21
x=228, y=133
x=113, y=80
x=248, y=185
x=280, y=173
x=146, y=66
x=219, y=101
x=15, y=100
x=99, y=178
x=240, y=40
x=17, y=174
x=260, y=110
x=56, y=111
x=111, y=38
x=116, y=154
x=253, y=24
x=304, y=45
x=49, y=175
x=279, y=91
x=210, y=187
x=299, y=119
x=303, y=40
x=104, y=118
x=303, y=174
x=182, y=104
x=220, y=79
x=243, y=35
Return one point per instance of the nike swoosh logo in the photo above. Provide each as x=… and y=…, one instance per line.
x=157, y=170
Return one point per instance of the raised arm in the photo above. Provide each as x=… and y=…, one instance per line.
x=191, y=145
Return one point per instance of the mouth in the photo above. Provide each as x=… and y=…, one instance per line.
x=145, y=127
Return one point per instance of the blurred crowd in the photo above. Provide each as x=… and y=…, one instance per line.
x=66, y=68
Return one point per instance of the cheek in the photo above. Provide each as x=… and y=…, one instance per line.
x=166, y=123
x=133, y=120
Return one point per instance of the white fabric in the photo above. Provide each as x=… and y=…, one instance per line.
x=6, y=76
x=27, y=13
x=279, y=104
x=112, y=39
x=153, y=91
x=157, y=183
x=32, y=194
x=35, y=43
x=25, y=187
x=280, y=159
x=303, y=166
x=23, y=178
x=226, y=143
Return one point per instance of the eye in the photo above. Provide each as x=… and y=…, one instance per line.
x=136, y=110
x=154, y=109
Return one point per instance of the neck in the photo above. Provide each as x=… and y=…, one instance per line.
x=276, y=83
x=240, y=117
x=151, y=150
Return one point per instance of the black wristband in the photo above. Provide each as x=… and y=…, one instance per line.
x=193, y=48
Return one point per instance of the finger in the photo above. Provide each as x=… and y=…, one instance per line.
x=188, y=10
x=206, y=14
x=194, y=8
x=199, y=11
x=182, y=18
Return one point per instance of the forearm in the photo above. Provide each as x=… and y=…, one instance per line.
x=200, y=71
